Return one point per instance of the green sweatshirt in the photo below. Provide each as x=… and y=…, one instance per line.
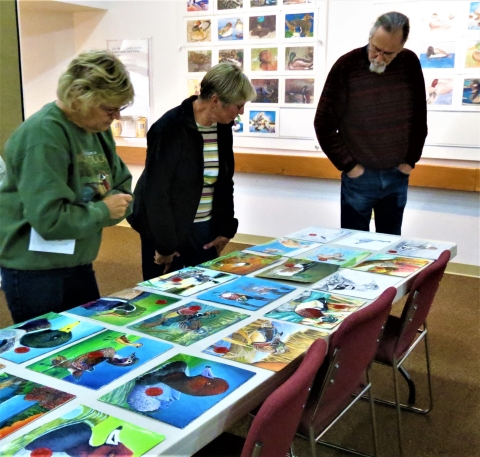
x=57, y=175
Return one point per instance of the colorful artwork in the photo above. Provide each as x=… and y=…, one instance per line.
x=471, y=91
x=299, y=270
x=237, y=126
x=419, y=248
x=97, y=361
x=296, y=2
x=319, y=235
x=264, y=59
x=299, y=58
x=42, y=335
x=188, y=281
x=193, y=87
x=368, y=240
x=248, y=293
x=283, y=246
x=23, y=401
x=124, y=307
x=231, y=55
x=230, y=29
x=199, y=61
x=437, y=55
x=440, y=20
x=336, y=255
x=267, y=90
x=387, y=264
x=266, y=344
x=316, y=309
x=199, y=30
x=472, y=58
x=299, y=91
x=240, y=263
x=262, y=27
x=84, y=432
x=439, y=91
x=229, y=4
x=188, y=323
x=474, y=16
x=262, y=121
x=356, y=284
x=255, y=3
x=197, y=5
x=179, y=390
x=299, y=25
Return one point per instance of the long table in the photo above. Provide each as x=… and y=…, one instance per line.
x=186, y=441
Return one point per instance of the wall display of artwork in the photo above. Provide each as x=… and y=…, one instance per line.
x=446, y=38
x=279, y=44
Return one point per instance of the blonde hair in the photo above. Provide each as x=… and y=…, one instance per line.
x=92, y=78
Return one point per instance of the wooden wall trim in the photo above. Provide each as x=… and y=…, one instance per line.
x=424, y=175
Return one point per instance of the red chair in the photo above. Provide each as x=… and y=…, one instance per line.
x=402, y=334
x=273, y=428
x=345, y=373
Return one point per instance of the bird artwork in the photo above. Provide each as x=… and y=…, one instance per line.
x=200, y=31
x=198, y=61
x=298, y=63
x=197, y=5
x=231, y=55
x=299, y=27
x=263, y=26
x=226, y=31
x=268, y=61
x=229, y=4
x=239, y=28
x=265, y=338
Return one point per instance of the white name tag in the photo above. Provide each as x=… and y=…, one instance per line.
x=37, y=243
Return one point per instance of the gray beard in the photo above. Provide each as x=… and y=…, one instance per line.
x=377, y=67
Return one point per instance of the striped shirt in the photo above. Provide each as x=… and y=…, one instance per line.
x=210, y=171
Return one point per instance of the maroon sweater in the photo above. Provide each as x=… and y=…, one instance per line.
x=376, y=120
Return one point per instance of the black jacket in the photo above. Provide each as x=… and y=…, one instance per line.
x=168, y=192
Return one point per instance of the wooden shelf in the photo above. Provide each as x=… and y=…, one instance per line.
x=424, y=175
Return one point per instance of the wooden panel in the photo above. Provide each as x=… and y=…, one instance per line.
x=133, y=155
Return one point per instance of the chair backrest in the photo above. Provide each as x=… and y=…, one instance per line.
x=350, y=354
x=419, y=301
x=276, y=422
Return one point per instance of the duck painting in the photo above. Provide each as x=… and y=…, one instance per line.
x=302, y=27
x=297, y=63
x=226, y=31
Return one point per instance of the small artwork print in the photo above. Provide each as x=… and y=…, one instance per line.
x=256, y=3
x=296, y=2
x=392, y=265
x=419, y=248
x=197, y=5
x=299, y=25
x=472, y=59
x=440, y=20
x=299, y=270
x=229, y=4
x=199, y=30
x=299, y=58
x=23, y=401
x=264, y=59
x=262, y=122
x=237, y=126
x=265, y=344
x=179, y=390
x=188, y=281
x=439, y=91
x=43, y=334
x=124, y=307
x=97, y=361
x=231, y=55
x=369, y=240
x=299, y=91
x=438, y=55
x=356, y=284
x=318, y=234
x=262, y=27
x=189, y=323
x=199, y=61
x=336, y=255
x=283, y=246
x=474, y=16
x=240, y=263
x=471, y=92
x=84, y=432
x=230, y=29
x=193, y=87
x=247, y=293
x=266, y=89
x=316, y=309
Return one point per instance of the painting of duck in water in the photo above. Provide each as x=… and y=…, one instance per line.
x=179, y=390
x=299, y=91
x=284, y=246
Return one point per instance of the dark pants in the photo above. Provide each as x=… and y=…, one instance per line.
x=31, y=293
x=383, y=191
x=191, y=254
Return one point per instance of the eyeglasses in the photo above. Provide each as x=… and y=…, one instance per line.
x=112, y=111
x=378, y=52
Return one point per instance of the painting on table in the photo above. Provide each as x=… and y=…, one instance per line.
x=179, y=390
x=387, y=264
x=84, y=432
x=337, y=255
x=419, y=248
x=99, y=360
x=318, y=234
x=240, y=263
x=266, y=344
x=42, y=335
x=368, y=240
x=188, y=323
x=283, y=246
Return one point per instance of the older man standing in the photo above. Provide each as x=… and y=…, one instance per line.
x=371, y=122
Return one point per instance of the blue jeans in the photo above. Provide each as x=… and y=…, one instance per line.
x=191, y=253
x=383, y=191
x=31, y=293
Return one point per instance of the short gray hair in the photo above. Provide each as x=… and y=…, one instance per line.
x=229, y=83
x=95, y=77
x=392, y=22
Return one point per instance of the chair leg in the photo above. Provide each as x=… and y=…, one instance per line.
x=313, y=442
x=398, y=408
x=429, y=376
x=372, y=415
x=411, y=385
